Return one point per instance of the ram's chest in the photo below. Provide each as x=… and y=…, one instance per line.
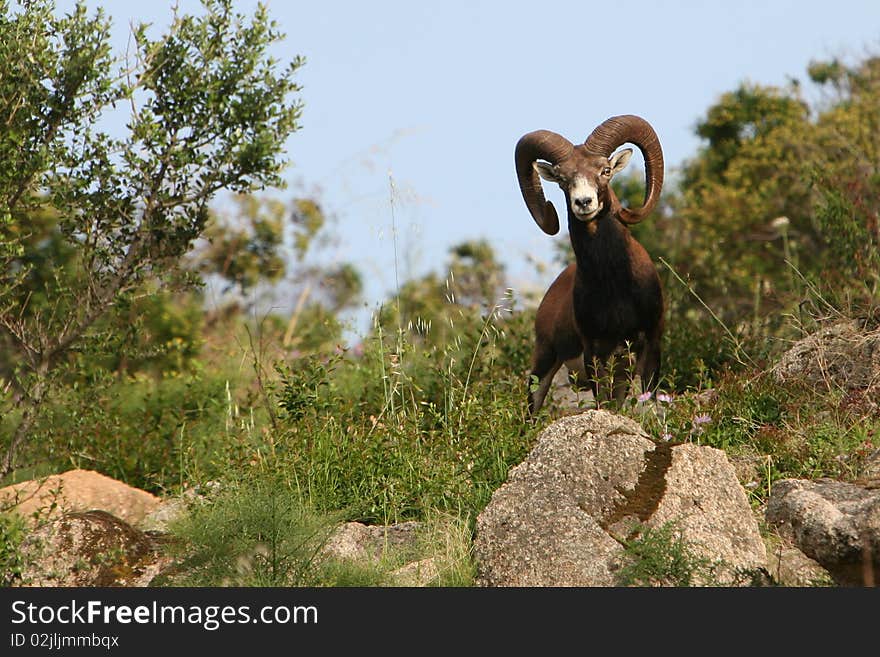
x=601, y=315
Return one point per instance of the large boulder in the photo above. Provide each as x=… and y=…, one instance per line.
x=90, y=549
x=833, y=522
x=594, y=482
x=76, y=491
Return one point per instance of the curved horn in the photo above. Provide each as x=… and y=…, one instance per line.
x=619, y=130
x=539, y=145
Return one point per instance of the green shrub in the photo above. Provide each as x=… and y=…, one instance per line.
x=12, y=533
x=147, y=432
x=254, y=532
x=661, y=557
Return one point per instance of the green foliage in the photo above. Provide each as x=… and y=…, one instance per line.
x=253, y=533
x=752, y=171
x=211, y=111
x=432, y=309
x=256, y=531
x=402, y=428
x=245, y=250
x=695, y=348
x=12, y=533
x=308, y=220
x=792, y=430
x=476, y=275
x=150, y=433
x=156, y=332
x=302, y=389
x=659, y=556
x=774, y=212
x=739, y=127
x=848, y=218
x=317, y=330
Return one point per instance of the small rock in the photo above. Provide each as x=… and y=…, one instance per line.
x=173, y=509
x=354, y=540
x=788, y=566
x=842, y=355
x=566, y=397
x=418, y=573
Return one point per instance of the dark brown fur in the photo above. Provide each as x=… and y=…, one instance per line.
x=609, y=298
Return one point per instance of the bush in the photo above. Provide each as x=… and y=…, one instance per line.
x=252, y=533
x=12, y=533
x=661, y=557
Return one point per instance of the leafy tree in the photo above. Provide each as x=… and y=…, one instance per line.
x=781, y=193
x=476, y=277
x=245, y=250
x=210, y=110
x=848, y=207
x=754, y=169
x=279, y=249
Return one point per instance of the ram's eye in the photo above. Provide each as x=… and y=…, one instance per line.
x=606, y=171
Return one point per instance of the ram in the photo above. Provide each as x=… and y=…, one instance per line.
x=610, y=299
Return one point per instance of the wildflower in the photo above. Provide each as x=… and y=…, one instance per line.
x=645, y=396
x=667, y=437
x=780, y=223
x=702, y=419
x=663, y=397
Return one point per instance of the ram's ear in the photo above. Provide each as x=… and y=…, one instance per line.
x=619, y=160
x=547, y=171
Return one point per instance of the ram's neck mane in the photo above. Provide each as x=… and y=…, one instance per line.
x=602, y=253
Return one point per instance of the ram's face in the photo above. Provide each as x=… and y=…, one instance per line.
x=584, y=178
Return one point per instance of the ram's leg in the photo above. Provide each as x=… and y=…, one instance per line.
x=594, y=368
x=545, y=365
x=577, y=375
x=609, y=368
x=648, y=364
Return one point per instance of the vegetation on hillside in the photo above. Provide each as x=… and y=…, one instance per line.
x=111, y=359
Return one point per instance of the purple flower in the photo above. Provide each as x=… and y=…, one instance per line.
x=667, y=437
x=663, y=397
x=645, y=396
x=702, y=419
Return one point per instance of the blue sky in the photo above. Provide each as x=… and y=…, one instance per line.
x=434, y=96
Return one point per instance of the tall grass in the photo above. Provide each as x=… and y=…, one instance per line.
x=394, y=433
